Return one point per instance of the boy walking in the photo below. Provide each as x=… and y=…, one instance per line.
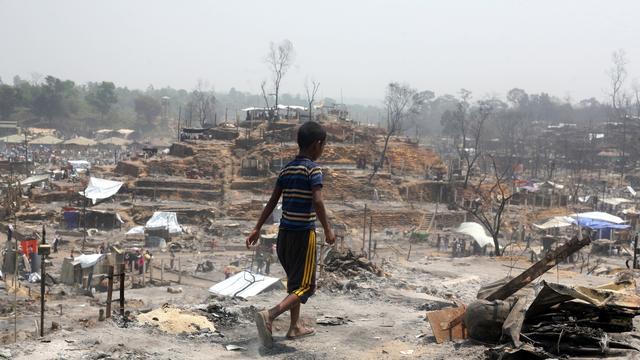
x=300, y=184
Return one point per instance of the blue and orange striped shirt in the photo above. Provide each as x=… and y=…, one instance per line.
x=297, y=180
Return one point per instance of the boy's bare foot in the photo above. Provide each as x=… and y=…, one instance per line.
x=300, y=331
x=263, y=323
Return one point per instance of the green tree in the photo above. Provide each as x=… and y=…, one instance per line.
x=50, y=102
x=101, y=97
x=8, y=101
x=147, y=108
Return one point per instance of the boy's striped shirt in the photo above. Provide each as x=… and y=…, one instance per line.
x=297, y=180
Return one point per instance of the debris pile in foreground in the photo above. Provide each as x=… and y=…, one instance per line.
x=349, y=264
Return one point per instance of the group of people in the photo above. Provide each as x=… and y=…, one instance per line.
x=136, y=261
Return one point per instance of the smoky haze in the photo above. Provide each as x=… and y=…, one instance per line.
x=354, y=48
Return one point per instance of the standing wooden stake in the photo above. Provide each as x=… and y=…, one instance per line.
x=179, y=271
x=364, y=226
x=370, y=234
x=161, y=272
x=121, y=289
x=109, y=291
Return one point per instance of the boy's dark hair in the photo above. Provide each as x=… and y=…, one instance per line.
x=309, y=133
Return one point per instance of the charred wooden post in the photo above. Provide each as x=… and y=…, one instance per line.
x=110, y=291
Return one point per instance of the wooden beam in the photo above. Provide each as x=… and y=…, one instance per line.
x=551, y=259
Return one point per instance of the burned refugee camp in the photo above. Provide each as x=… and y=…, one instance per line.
x=319, y=180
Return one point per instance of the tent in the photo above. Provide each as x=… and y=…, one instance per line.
x=164, y=220
x=599, y=216
x=555, y=222
x=476, y=231
x=80, y=141
x=46, y=140
x=116, y=141
x=245, y=284
x=599, y=224
x=101, y=189
x=12, y=139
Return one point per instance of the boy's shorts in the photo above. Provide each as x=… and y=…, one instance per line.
x=297, y=254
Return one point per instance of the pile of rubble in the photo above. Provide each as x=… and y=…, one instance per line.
x=558, y=321
x=349, y=264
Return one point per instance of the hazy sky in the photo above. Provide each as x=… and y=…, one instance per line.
x=357, y=47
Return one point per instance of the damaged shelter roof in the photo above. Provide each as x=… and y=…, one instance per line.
x=87, y=261
x=245, y=284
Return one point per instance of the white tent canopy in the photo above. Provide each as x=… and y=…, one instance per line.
x=555, y=222
x=476, y=231
x=101, y=189
x=598, y=215
x=164, y=220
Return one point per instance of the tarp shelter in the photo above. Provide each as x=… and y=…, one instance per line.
x=101, y=189
x=599, y=216
x=12, y=139
x=245, y=284
x=475, y=231
x=80, y=141
x=164, y=220
x=75, y=269
x=555, y=222
x=46, y=140
x=599, y=224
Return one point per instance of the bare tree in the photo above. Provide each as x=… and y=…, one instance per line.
x=619, y=99
x=489, y=205
x=311, y=91
x=400, y=101
x=203, y=104
x=263, y=84
x=279, y=59
x=470, y=124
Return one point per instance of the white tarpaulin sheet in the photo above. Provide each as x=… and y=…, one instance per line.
x=101, y=189
x=476, y=231
x=601, y=216
x=555, y=222
x=164, y=220
x=244, y=284
x=631, y=191
x=87, y=261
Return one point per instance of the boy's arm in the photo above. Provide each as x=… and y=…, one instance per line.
x=273, y=201
x=321, y=212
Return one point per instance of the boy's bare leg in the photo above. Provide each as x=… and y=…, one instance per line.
x=296, y=328
x=289, y=302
